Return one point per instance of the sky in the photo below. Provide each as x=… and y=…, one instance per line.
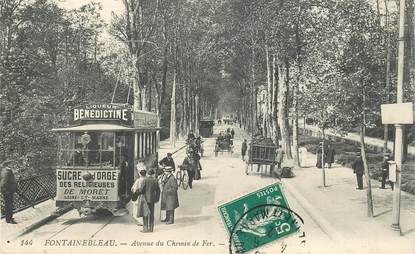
x=107, y=6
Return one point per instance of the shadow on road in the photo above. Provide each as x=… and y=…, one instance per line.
x=193, y=200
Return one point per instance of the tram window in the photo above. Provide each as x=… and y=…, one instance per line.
x=99, y=151
x=107, y=149
x=120, y=147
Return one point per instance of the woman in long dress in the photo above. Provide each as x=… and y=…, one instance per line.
x=303, y=156
x=141, y=208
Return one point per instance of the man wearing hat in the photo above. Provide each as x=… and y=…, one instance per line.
x=168, y=161
x=358, y=169
x=151, y=191
x=8, y=187
x=169, y=197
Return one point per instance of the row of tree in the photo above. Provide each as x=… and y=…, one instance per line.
x=330, y=61
x=53, y=59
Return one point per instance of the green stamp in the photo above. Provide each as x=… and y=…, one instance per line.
x=258, y=218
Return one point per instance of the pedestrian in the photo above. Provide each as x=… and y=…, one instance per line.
x=191, y=136
x=140, y=206
x=232, y=133
x=385, y=172
x=279, y=156
x=8, y=187
x=243, y=149
x=189, y=164
x=150, y=193
x=302, y=153
x=168, y=161
x=198, y=167
x=358, y=169
x=169, y=197
x=330, y=152
x=123, y=187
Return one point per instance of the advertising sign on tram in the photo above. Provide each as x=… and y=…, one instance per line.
x=102, y=112
x=101, y=185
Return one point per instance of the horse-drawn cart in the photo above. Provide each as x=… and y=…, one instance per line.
x=223, y=145
x=262, y=151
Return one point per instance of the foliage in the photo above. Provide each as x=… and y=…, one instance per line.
x=50, y=62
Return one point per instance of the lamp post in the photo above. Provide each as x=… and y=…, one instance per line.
x=396, y=209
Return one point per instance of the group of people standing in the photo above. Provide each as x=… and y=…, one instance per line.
x=329, y=154
x=146, y=191
x=359, y=170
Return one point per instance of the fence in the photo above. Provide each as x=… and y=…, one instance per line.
x=32, y=191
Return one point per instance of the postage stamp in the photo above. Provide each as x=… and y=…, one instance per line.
x=258, y=218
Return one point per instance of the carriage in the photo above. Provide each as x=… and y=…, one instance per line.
x=262, y=152
x=206, y=128
x=223, y=145
x=97, y=154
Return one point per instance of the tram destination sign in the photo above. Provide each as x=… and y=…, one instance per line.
x=102, y=186
x=102, y=112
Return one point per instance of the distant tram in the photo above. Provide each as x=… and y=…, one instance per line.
x=97, y=154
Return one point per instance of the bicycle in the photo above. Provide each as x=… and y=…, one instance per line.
x=182, y=178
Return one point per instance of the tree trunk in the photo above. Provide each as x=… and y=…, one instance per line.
x=274, y=103
x=282, y=107
x=253, y=92
x=197, y=115
x=367, y=173
x=267, y=113
x=363, y=153
x=295, y=121
x=137, y=93
x=173, y=113
x=323, y=163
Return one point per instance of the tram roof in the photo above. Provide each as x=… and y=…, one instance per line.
x=100, y=127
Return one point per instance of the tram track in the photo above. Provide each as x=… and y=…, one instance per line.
x=72, y=223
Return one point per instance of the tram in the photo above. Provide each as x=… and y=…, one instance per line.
x=97, y=154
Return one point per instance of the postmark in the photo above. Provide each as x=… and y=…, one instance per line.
x=258, y=218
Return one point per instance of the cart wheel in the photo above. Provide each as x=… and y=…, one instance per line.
x=185, y=181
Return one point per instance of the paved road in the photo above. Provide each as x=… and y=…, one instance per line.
x=223, y=178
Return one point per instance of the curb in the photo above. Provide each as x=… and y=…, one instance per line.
x=323, y=223
x=37, y=224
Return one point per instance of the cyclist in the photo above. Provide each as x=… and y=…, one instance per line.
x=189, y=164
x=168, y=161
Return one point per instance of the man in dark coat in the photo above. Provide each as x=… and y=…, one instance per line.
x=8, y=187
x=232, y=133
x=169, y=197
x=151, y=190
x=358, y=169
x=123, y=187
x=243, y=149
x=168, y=161
x=329, y=155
